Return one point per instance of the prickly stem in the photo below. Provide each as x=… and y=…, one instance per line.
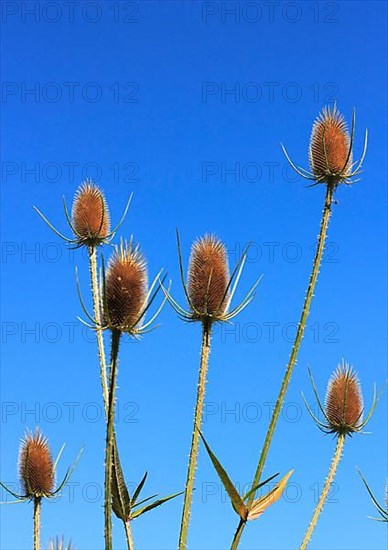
x=325, y=491
x=205, y=352
x=110, y=439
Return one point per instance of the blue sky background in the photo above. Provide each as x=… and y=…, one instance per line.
x=151, y=114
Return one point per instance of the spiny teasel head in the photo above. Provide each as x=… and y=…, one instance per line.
x=36, y=468
x=208, y=278
x=210, y=289
x=126, y=287
x=89, y=220
x=331, y=150
x=59, y=544
x=344, y=404
x=344, y=409
x=90, y=215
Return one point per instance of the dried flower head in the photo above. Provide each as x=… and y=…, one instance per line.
x=89, y=221
x=126, y=284
x=208, y=277
x=343, y=410
x=331, y=150
x=344, y=406
x=36, y=468
x=90, y=215
x=330, y=153
x=210, y=288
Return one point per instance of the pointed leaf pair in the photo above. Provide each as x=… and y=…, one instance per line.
x=237, y=501
x=122, y=504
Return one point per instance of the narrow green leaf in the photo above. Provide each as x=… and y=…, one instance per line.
x=138, y=489
x=153, y=505
x=137, y=504
x=121, y=502
x=254, y=489
x=237, y=502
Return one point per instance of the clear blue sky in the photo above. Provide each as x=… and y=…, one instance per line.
x=185, y=104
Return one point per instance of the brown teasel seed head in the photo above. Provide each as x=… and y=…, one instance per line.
x=329, y=154
x=90, y=215
x=36, y=469
x=125, y=288
x=208, y=279
x=344, y=403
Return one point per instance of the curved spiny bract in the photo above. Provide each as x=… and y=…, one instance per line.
x=382, y=509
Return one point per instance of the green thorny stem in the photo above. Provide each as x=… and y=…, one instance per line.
x=294, y=353
x=110, y=438
x=37, y=504
x=205, y=352
x=325, y=490
x=97, y=317
x=101, y=353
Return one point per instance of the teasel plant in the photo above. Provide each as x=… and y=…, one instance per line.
x=90, y=225
x=89, y=222
x=37, y=473
x=125, y=300
x=343, y=417
x=382, y=509
x=331, y=163
x=209, y=292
